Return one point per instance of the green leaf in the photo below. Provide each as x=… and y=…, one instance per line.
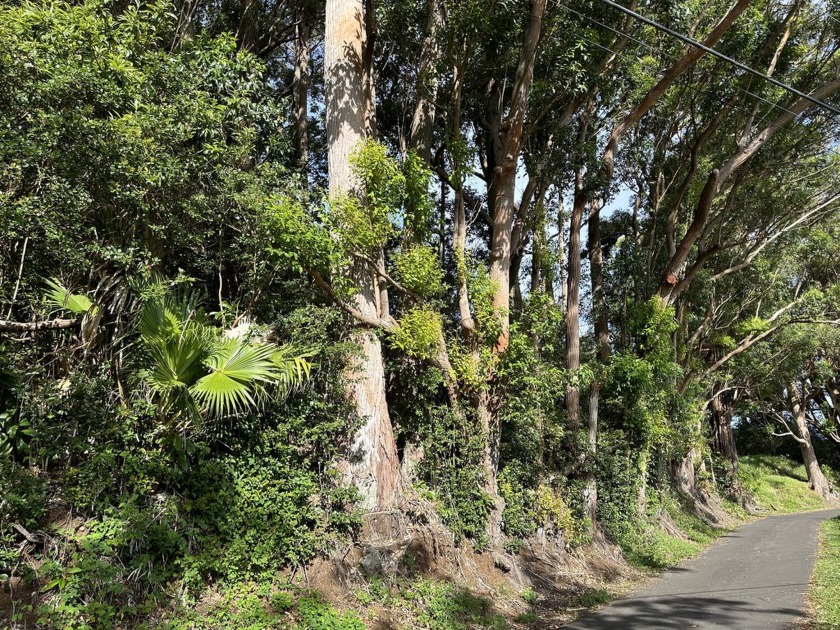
x=62, y=299
x=238, y=371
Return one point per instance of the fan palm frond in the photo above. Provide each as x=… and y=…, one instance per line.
x=293, y=369
x=174, y=364
x=170, y=316
x=194, y=370
x=239, y=373
x=61, y=299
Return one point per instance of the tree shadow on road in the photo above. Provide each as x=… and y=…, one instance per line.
x=688, y=611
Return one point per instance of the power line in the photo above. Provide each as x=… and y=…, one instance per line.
x=651, y=48
x=695, y=89
x=719, y=55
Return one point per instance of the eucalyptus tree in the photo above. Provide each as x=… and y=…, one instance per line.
x=373, y=463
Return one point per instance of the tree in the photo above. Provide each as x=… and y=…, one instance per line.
x=372, y=464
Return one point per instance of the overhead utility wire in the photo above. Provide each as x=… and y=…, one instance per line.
x=719, y=55
x=691, y=87
x=652, y=49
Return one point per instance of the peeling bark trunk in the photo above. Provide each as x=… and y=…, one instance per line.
x=372, y=465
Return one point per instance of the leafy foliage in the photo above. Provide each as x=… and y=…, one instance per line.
x=195, y=370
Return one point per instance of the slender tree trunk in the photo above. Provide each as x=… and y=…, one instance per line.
x=561, y=268
x=248, y=30
x=573, y=307
x=507, y=145
x=602, y=342
x=372, y=464
x=596, y=271
x=423, y=121
x=301, y=89
x=368, y=75
x=590, y=492
x=816, y=479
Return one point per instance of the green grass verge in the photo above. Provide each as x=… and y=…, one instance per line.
x=647, y=546
x=825, y=583
x=778, y=484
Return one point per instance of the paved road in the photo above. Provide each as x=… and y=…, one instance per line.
x=755, y=578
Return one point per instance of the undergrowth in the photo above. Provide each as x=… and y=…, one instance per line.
x=429, y=604
x=249, y=606
x=647, y=545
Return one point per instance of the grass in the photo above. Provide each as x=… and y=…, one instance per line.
x=249, y=606
x=648, y=547
x=825, y=583
x=778, y=484
x=435, y=605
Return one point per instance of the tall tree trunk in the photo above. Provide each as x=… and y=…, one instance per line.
x=602, y=342
x=423, y=121
x=372, y=465
x=248, y=30
x=507, y=145
x=573, y=305
x=561, y=268
x=596, y=274
x=301, y=88
x=816, y=480
x=590, y=492
x=368, y=73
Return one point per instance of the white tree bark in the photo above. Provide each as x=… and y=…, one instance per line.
x=372, y=465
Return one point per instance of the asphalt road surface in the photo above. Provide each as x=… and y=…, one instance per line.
x=755, y=578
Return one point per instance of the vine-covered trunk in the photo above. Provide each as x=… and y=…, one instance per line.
x=372, y=465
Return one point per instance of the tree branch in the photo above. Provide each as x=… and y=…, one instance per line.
x=373, y=322
x=51, y=324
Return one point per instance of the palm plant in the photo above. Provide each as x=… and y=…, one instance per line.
x=60, y=298
x=192, y=370
x=195, y=372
